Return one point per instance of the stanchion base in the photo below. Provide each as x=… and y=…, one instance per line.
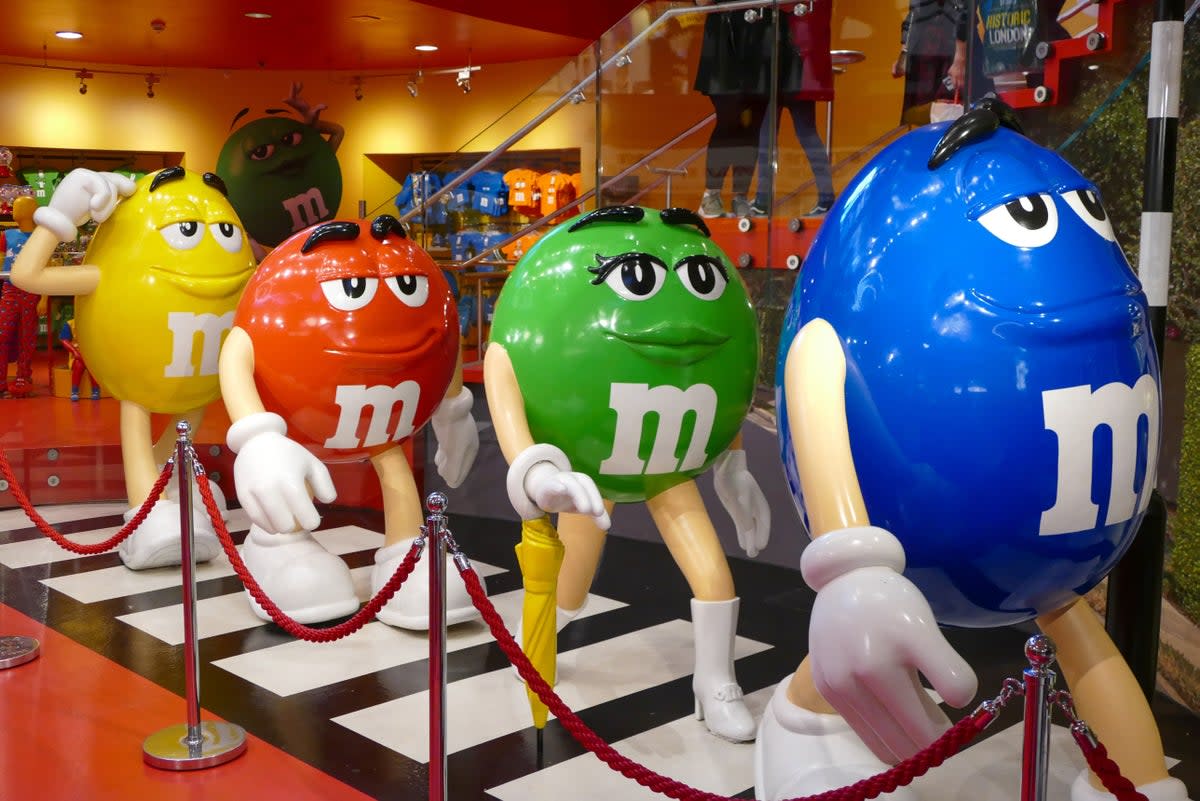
x=166, y=749
x=16, y=650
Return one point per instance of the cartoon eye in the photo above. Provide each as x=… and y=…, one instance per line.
x=183, y=235
x=349, y=294
x=228, y=236
x=1086, y=203
x=262, y=152
x=291, y=139
x=704, y=276
x=1027, y=222
x=413, y=290
x=636, y=276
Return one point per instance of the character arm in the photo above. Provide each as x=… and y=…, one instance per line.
x=540, y=478
x=272, y=474
x=742, y=498
x=455, y=429
x=32, y=273
x=871, y=630
x=312, y=116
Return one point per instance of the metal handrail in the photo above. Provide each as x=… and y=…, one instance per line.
x=588, y=195
x=669, y=14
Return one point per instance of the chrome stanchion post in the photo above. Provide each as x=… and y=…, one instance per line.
x=1038, y=680
x=435, y=552
x=195, y=744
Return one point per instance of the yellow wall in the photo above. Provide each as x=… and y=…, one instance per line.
x=192, y=111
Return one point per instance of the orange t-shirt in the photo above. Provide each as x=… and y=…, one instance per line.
x=577, y=183
x=517, y=249
x=556, y=190
x=522, y=190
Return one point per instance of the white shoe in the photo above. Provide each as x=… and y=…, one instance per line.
x=561, y=618
x=1163, y=790
x=157, y=541
x=306, y=582
x=172, y=493
x=409, y=607
x=719, y=700
x=801, y=753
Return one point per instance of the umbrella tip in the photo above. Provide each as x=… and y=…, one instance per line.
x=541, y=748
x=435, y=503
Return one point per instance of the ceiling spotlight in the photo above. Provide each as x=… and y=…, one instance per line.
x=464, y=80
x=257, y=15
x=358, y=88
x=412, y=87
x=151, y=79
x=426, y=48
x=68, y=34
x=83, y=75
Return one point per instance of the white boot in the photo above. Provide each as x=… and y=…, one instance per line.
x=158, y=543
x=306, y=582
x=718, y=697
x=409, y=607
x=802, y=753
x=561, y=618
x=1163, y=790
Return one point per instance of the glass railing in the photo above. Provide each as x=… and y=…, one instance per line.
x=656, y=113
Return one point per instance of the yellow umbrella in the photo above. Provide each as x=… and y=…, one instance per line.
x=540, y=554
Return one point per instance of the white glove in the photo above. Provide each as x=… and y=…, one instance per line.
x=270, y=473
x=540, y=480
x=743, y=500
x=81, y=195
x=457, y=436
x=870, y=633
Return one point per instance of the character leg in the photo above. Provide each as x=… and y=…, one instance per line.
x=156, y=543
x=688, y=532
x=1108, y=698
x=306, y=582
x=164, y=448
x=409, y=607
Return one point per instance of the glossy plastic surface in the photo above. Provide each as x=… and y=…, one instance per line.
x=282, y=176
x=1002, y=399
x=634, y=351
x=173, y=262
x=384, y=365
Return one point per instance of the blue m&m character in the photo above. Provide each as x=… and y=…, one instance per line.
x=1002, y=387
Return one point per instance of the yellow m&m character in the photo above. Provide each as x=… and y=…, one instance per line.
x=154, y=300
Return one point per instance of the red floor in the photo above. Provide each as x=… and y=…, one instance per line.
x=74, y=725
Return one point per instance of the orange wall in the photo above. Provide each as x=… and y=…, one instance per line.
x=192, y=111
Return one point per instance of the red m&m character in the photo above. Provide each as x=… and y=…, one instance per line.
x=346, y=337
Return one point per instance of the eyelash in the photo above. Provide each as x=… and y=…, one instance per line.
x=607, y=265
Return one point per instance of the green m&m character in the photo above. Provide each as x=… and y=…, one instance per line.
x=282, y=173
x=622, y=363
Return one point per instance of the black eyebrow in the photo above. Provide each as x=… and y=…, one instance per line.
x=984, y=119
x=169, y=174
x=238, y=116
x=679, y=216
x=703, y=258
x=386, y=224
x=625, y=214
x=214, y=180
x=606, y=264
x=338, y=229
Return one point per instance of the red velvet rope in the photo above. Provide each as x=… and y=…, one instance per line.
x=328, y=633
x=84, y=550
x=1102, y=765
x=943, y=748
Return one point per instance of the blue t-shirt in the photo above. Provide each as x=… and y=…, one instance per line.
x=14, y=240
x=490, y=195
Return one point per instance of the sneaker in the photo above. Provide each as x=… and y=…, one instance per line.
x=741, y=206
x=711, y=205
x=824, y=204
x=759, y=209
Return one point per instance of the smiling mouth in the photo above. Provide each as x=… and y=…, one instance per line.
x=289, y=167
x=1111, y=313
x=674, y=344
x=382, y=350
x=205, y=286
